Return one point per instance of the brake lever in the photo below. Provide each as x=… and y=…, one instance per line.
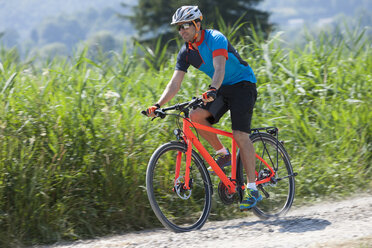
x=160, y=113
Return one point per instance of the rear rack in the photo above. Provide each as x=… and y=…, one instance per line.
x=270, y=130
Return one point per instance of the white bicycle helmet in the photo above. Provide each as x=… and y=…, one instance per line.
x=186, y=14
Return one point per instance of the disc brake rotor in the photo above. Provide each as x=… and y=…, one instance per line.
x=179, y=188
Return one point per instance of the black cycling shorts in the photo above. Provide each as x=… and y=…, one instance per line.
x=239, y=98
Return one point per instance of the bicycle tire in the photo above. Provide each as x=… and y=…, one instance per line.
x=176, y=214
x=280, y=194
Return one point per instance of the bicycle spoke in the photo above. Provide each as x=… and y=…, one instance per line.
x=278, y=194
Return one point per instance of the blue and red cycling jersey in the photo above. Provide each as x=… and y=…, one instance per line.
x=213, y=43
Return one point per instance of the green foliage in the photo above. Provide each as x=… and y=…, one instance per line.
x=231, y=31
x=53, y=50
x=152, y=18
x=74, y=146
x=101, y=43
x=155, y=58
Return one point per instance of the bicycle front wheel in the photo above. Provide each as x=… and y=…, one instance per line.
x=178, y=209
x=278, y=194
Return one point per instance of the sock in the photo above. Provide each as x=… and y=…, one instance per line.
x=223, y=151
x=252, y=186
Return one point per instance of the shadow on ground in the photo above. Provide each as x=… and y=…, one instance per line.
x=288, y=224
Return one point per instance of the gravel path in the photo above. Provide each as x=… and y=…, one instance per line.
x=328, y=224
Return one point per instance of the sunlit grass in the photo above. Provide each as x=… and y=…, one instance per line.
x=74, y=146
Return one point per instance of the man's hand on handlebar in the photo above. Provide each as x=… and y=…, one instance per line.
x=156, y=111
x=150, y=112
x=210, y=95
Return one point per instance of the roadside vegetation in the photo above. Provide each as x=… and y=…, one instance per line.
x=74, y=146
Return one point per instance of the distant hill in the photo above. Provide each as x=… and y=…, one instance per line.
x=24, y=15
x=62, y=24
x=59, y=26
x=294, y=12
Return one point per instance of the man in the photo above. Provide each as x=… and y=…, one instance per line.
x=233, y=88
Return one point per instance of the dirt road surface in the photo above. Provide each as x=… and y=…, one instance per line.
x=346, y=223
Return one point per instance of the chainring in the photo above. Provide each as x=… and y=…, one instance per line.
x=224, y=194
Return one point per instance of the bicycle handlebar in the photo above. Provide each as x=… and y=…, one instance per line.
x=161, y=112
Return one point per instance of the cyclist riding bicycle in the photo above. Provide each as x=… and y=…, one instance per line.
x=233, y=88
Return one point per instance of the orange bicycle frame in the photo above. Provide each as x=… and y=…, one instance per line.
x=191, y=140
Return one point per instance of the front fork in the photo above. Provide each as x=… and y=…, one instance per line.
x=186, y=185
x=188, y=164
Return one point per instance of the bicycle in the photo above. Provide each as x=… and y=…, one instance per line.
x=179, y=186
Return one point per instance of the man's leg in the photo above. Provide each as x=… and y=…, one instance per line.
x=241, y=99
x=200, y=116
x=247, y=154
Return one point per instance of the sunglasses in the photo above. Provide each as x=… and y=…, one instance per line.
x=184, y=26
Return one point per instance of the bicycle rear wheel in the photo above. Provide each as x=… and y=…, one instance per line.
x=177, y=209
x=278, y=194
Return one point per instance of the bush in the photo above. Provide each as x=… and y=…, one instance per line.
x=74, y=146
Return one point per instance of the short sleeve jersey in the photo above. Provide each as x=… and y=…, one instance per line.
x=212, y=44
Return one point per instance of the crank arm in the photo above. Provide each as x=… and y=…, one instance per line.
x=267, y=195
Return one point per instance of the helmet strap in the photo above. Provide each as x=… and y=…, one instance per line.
x=197, y=32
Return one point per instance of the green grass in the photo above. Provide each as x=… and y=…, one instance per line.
x=74, y=146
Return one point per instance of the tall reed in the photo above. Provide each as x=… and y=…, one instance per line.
x=74, y=147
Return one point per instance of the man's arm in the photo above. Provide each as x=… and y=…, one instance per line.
x=219, y=63
x=172, y=88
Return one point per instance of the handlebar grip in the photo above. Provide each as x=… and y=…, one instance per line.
x=157, y=112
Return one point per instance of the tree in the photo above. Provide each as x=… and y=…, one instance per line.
x=102, y=42
x=52, y=50
x=65, y=30
x=152, y=17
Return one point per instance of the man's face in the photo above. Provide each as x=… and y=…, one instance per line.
x=187, y=31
